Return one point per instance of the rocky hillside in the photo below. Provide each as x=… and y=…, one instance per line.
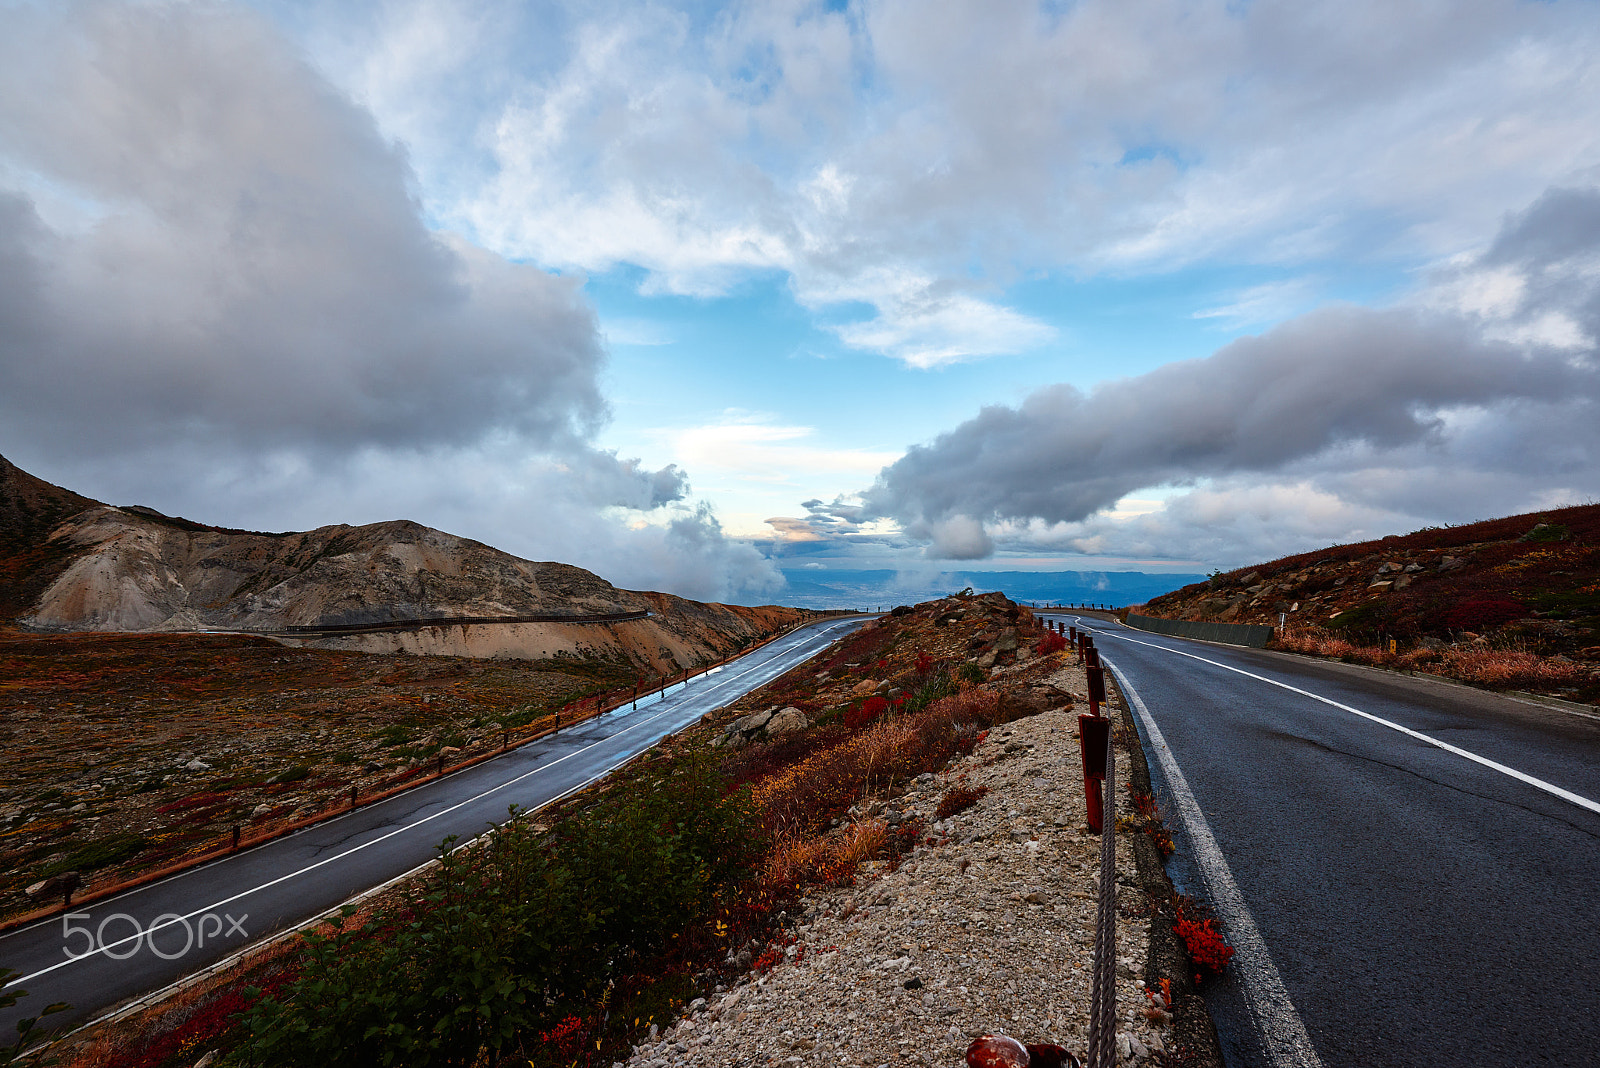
x=68, y=563
x=1531, y=578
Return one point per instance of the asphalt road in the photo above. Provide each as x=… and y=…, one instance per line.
x=127, y=946
x=1393, y=902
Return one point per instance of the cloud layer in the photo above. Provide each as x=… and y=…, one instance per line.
x=216, y=287
x=1429, y=409
x=903, y=170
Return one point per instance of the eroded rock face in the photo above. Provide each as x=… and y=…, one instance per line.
x=92, y=567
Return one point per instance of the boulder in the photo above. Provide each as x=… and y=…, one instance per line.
x=751, y=723
x=787, y=722
x=864, y=688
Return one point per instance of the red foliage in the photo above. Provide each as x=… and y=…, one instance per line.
x=1052, y=642
x=958, y=798
x=869, y=710
x=924, y=663
x=1483, y=613
x=564, y=1041
x=193, y=802
x=1206, y=945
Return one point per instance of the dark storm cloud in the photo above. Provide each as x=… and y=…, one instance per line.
x=219, y=296
x=1410, y=388
x=203, y=236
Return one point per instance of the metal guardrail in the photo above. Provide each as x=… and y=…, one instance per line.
x=1251, y=635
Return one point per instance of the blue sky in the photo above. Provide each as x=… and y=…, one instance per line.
x=685, y=293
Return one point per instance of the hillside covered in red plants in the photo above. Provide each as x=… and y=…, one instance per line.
x=1511, y=602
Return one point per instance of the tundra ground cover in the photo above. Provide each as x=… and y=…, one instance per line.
x=797, y=814
x=125, y=752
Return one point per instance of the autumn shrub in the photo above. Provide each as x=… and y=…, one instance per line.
x=976, y=705
x=1052, y=642
x=1483, y=613
x=1506, y=668
x=514, y=935
x=858, y=716
x=958, y=798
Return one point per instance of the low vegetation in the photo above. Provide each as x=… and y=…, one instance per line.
x=131, y=752
x=561, y=940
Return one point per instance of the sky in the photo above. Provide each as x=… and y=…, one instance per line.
x=691, y=294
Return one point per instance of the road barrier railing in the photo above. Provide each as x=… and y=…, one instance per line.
x=1250, y=635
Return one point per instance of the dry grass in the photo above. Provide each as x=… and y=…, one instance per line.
x=1503, y=667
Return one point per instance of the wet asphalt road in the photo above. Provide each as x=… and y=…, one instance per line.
x=1393, y=903
x=105, y=954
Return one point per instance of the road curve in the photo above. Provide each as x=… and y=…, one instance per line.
x=1406, y=866
x=150, y=937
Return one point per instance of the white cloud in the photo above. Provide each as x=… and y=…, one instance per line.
x=750, y=445
x=845, y=148
x=233, y=308
x=1320, y=425
x=1263, y=304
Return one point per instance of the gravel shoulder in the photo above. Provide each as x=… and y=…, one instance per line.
x=990, y=929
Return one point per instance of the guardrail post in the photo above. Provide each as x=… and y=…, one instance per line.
x=1093, y=733
x=440, y=772
x=353, y=790
x=1097, y=687
x=235, y=836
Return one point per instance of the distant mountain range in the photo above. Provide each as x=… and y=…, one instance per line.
x=812, y=588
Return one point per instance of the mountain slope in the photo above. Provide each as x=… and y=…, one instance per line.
x=1532, y=578
x=68, y=563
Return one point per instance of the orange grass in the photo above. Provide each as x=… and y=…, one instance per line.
x=1481, y=664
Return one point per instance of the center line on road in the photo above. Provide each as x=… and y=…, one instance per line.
x=1520, y=776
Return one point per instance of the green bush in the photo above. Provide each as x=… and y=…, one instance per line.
x=514, y=933
x=113, y=849
x=28, y=1031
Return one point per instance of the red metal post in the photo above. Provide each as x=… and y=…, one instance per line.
x=1093, y=734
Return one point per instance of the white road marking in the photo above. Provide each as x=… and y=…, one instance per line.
x=1520, y=776
x=1283, y=1033
x=401, y=830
